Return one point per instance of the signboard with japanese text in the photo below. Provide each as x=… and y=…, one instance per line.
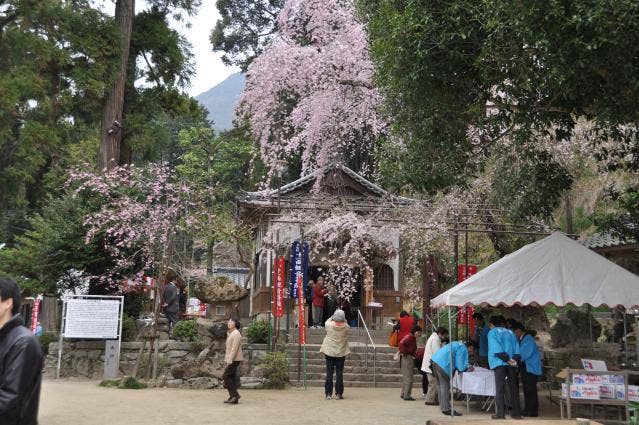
x=300, y=312
x=92, y=319
x=299, y=264
x=274, y=288
x=281, y=279
x=465, y=315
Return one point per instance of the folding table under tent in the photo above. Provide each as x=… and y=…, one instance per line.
x=555, y=270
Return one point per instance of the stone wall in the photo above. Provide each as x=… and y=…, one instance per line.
x=559, y=358
x=180, y=364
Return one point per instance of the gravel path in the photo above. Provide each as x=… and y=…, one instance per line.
x=85, y=403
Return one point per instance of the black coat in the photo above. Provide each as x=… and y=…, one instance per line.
x=20, y=374
x=171, y=299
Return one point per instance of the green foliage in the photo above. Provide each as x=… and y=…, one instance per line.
x=133, y=304
x=529, y=183
x=57, y=58
x=258, y=331
x=220, y=163
x=129, y=330
x=216, y=167
x=274, y=369
x=186, y=330
x=51, y=256
x=522, y=70
x=127, y=383
x=244, y=29
x=45, y=339
x=623, y=220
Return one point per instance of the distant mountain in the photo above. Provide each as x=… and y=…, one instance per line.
x=220, y=101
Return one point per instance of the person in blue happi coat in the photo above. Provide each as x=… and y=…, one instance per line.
x=441, y=364
x=503, y=354
x=481, y=339
x=530, y=370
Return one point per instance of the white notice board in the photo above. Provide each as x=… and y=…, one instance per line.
x=92, y=318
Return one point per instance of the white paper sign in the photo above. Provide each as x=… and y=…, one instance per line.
x=92, y=318
x=595, y=365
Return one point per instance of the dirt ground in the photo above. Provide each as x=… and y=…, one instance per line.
x=85, y=403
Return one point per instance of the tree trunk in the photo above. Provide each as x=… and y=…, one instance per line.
x=499, y=243
x=568, y=206
x=210, y=246
x=111, y=135
x=50, y=314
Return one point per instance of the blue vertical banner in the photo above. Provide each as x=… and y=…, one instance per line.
x=296, y=267
x=299, y=266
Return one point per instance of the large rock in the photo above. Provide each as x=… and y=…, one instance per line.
x=203, y=383
x=191, y=369
x=211, y=329
x=216, y=289
x=574, y=328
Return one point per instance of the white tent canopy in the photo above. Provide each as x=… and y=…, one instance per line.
x=555, y=270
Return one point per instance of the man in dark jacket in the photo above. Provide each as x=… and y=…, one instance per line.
x=20, y=362
x=170, y=304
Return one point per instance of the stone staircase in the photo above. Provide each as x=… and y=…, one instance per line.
x=358, y=371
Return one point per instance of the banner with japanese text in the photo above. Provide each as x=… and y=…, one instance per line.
x=34, y=315
x=300, y=311
x=299, y=264
x=465, y=315
x=281, y=282
x=274, y=288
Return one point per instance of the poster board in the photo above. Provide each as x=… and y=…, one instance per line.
x=92, y=319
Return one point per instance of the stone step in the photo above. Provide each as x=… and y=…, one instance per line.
x=356, y=384
x=351, y=356
x=349, y=363
x=356, y=348
x=316, y=336
x=354, y=377
x=352, y=369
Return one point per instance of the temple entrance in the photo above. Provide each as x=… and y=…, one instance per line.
x=333, y=299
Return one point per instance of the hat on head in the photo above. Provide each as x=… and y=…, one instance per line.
x=339, y=316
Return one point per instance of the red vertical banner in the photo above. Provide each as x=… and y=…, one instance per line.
x=202, y=309
x=34, y=315
x=274, y=288
x=300, y=311
x=281, y=279
x=464, y=315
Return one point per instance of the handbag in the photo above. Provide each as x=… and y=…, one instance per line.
x=393, y=339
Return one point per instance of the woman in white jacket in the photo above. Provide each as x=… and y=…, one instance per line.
x=335, y=348
x=433, y=344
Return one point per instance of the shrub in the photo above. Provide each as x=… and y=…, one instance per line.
x=45, y=340
x=133, y=304
x=186, y=330
x=258, y=331
x=129, y=330
x=274, y=369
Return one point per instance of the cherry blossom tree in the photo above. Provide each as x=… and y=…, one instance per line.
x=310, y=93
x=139, y=212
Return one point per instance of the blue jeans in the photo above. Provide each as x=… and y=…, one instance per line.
x=337, y=364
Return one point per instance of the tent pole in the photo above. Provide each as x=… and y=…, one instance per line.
x=589, y=310
x=452, y=399
x=636, y=339
x=625, y=336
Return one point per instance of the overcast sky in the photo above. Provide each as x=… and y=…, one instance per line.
x=209, y=69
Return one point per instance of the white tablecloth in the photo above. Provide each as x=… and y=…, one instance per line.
x=478, y=382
